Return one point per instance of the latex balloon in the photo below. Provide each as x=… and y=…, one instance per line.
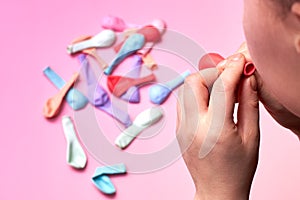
x=104, y=184
x=249, y=69
x=131, y=46
x=160, y=25
x=152, y=36
x=132, y=95
x=211, y=60
x=73, y=97
x=149, y=61
x=115, y=23
x=151, y=33
x=102, y=181
x=144, y=120
x=91, y=51
x=53, y=104
x=136, y=67
x=159, y=93
x=105, y=38
x=118, y=85
x=75, y=154
x=99, y=97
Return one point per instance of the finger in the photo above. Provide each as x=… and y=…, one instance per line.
x=198, y=86
x=223, y=96
x=195, y=94
x=244, y=50
x=210, y=76
x=179, y=106
x=248, y=110
x=188, y=118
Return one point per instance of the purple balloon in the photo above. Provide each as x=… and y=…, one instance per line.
x=98, y=96
x=133, y=94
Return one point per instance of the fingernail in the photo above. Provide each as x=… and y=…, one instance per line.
x=253, y=83
x=222, y=63
x=236, y=57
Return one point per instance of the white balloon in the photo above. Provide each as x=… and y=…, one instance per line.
x=144, y=120
x=105, y=38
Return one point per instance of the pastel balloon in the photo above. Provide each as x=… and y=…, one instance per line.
x=75, y=154
x=104, y=184
x=209, y=60
x=105, y=38
x=159, y=93
x=53, y=104
x=73, y=97
x=149, y=61
x=99, y=97
x=152, y=36
x=151, y=33
x=160, y=25
x=132, y=95
x=118, y=85
x=91, y=51
x=249, y=69
x=114, y=23
x=144, y=120
x=101, y=179
x=131, y=46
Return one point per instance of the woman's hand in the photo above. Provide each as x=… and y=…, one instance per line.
x=220, y=155
x=281, y=114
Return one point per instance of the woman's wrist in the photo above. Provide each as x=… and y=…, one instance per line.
x=223, y=196
x=234, y=197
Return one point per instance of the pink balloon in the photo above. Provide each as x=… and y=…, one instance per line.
x=118, y=85
x=160, y=25
x=114, y=23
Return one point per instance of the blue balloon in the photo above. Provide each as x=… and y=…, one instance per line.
x=133, y=43
x=74, y=97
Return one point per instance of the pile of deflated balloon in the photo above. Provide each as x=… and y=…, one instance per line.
x=137, y=42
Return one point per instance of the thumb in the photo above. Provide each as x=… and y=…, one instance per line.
x=223, y=95
x=243, y=49
x=248, y=110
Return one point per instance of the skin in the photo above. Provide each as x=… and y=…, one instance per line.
x=226, y=172
x=220, y=154
x=280, y=63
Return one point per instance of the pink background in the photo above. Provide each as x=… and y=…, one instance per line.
x=35, y=34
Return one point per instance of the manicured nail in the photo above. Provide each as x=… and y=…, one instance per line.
x=222, y=63
x=221, y=66
x=236, y=57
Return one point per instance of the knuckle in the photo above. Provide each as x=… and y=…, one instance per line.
x=192, y=79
